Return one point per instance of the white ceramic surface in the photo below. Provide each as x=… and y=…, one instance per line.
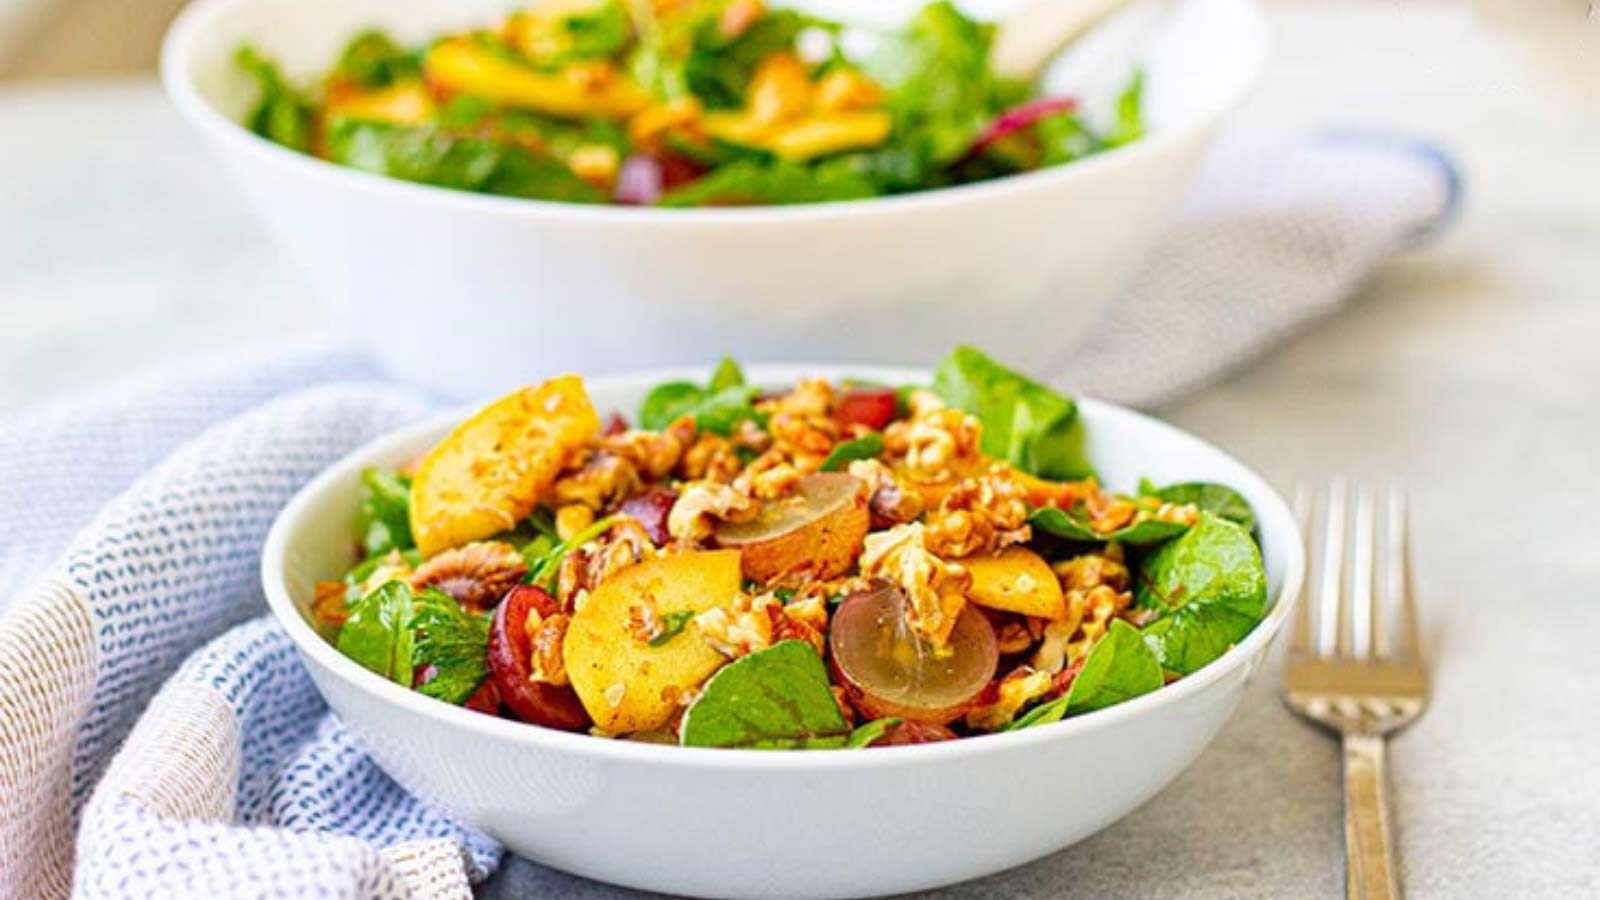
x=725, y=823
x=501, y=287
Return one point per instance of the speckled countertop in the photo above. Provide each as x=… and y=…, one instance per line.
x=1472, y=369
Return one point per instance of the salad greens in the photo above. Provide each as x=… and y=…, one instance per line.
x=868, y=446
x=1208, y=589
x=1208, y=497
x=1074, y=526
x=379, y=633
x=718, y=407
x=772, y=699
x=384, y=522
x=453, y=642
x=1031, y=426
x=702, y=102
x=780, y=602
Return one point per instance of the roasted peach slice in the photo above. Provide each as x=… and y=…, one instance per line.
x=1016, y=580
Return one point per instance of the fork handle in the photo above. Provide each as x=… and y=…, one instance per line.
x=1369, y=857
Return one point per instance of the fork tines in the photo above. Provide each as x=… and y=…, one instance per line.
x=1358, y=576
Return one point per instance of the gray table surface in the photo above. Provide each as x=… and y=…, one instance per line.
x=1470, y=369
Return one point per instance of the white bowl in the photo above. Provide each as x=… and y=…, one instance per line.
x=744, y=823
x=470, y=294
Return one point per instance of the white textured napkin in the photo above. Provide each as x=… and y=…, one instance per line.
x=151, y=745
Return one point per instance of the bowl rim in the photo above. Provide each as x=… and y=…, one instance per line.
x=1274, y=514
x=192, y=25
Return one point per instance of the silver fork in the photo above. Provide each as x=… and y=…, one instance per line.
x=1348, y=669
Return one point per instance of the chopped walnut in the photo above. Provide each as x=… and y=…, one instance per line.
x=935, y=590
x=1096, y=589
x=936, y=444
x=702, y=502
x=984, y=514
x=742, y=628
x=890, y=503
x=801, y=423
x=710, y=458
x=477, y=575
x=768, y=477
x=597, y=480
x=547, y=663
x=653, y=454
x=803, y=620
x=1016, y=690
x=584, y=568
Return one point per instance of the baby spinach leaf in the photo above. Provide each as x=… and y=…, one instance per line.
x=597, y=32
x=373, y=60
x=666, y=402
x=1129, y=124
x=1209, y=497
x=1074, y=526
x=453, y=641
x=868, y=446
x=1033, y=427
x=1209, y=590
x=868, y=732
x=773, y=698
x=721, y=411
x=429, y=155
x=1119, y=667
x=726, y=375
x=718, y=407
x=378, y=633
x=1043, y=714
x=384, y=521
x=936, y=70
x=282, y=114
x=759, y=181
x=717, y=68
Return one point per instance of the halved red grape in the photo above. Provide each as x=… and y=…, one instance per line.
x=890, y=672
x=872, y=407
x=511, y=664
x=816, y=531
x=651, y=508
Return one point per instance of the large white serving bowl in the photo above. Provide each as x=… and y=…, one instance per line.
x=467, y=294
x=775, y=824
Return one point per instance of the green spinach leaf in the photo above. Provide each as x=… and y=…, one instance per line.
x=772, y=699
x=1129, y=124
x=719, y=407
x=432, y=156
x=1208, y=589
x=868, y=446
x=1209, y=497
x=726, y=375
x=282, y=114
x=384, y=521
x=936, y=71
x=1074, y=526
x=775, y=183
x=373, y=60
x=453, y=641
x=867, y=732
x=378, y=634
x=1119, y=667
x=1033, y=427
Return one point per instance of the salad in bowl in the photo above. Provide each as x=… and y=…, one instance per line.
x=682, y=103
x=816, y=565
